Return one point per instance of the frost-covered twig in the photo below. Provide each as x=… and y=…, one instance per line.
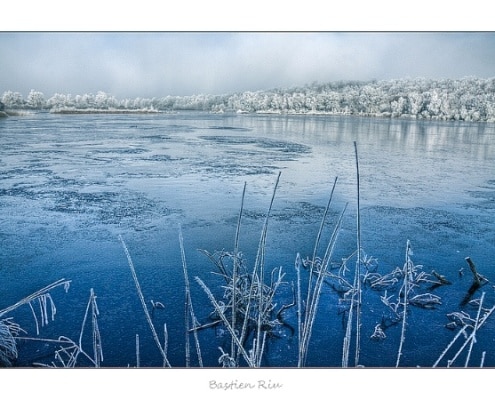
x=36, y=295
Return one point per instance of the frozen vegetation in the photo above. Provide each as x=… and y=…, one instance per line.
x=467, y=99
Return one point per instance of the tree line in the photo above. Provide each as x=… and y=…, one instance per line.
x=467, y=99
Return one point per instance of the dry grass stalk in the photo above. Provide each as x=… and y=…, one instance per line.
x=473, y=339
x=298, y=265
x=259, y=275
x=143, y=303
x=189, y=310
x=138, y=355
x=356, y=291
x=357, y=279
x=408, y=266
x=165, y=340
x=482, y=363
x=96, y=336
x=235, y=269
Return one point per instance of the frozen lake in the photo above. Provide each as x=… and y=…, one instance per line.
x=71, y=184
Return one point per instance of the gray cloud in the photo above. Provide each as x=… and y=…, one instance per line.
x=159, y=64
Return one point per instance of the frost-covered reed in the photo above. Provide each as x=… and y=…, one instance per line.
x=161, y=347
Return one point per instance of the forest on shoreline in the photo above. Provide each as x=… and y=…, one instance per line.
x=467, y=99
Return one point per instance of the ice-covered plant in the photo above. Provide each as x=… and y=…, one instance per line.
x=43, y=310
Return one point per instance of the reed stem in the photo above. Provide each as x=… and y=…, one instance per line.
x=143, y=303
x=358, y=260
x=305, y=327
x=138, y=356
x=235, y=271
x=188, y=309
x=471, y=344
x=404, y=290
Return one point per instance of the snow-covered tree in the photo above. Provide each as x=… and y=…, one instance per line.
x=470, y=99
x=12, y=99
x=36, y=100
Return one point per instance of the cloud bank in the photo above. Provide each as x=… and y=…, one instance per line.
x=130, y=64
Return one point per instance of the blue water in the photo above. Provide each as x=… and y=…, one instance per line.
x=71, y=184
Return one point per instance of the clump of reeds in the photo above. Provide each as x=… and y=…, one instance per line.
x=414, y=289
x=468, y=323
x=318, y=272
x=43, y=310
x=247, y=309
x=69, y=352
x=9, y=331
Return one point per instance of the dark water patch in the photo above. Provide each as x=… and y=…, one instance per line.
x=429, y=220
x=108, y=207
x=68, y=201
x=121, y=177
x=49, y=152
x=178, y=128
x=284, y=146
x=485, y=197
x=157, y=138
x=246, y=160
x=234, y=169
x=57, y=181
x=230, y=140
x=245, y=154
x=22, y=171
x=302, y=212
x=455, y=236
x=125, y=150
x=46, y=186
x=229, y=128
x=436, y=221
x=261, y=142
x=161, y=157
x=39, y=164
x=26, y=192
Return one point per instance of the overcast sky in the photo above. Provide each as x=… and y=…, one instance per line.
x=129, y=65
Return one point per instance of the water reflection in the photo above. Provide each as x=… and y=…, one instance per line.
x=403, y=158
x=407, y=135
